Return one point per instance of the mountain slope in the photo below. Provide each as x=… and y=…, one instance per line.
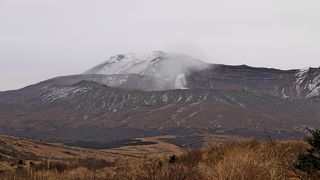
x=291, y=84
x=90, y=111
x=131, y=96
x=176, y=71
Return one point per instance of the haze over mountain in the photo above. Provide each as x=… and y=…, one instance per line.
x=43, y=39
x=132, y=95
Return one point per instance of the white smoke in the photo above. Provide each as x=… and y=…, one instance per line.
x=176, y=67
x=171, y=68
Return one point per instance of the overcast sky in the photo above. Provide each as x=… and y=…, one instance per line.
x=40, y=39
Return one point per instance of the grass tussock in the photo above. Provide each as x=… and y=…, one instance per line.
x=247, y=160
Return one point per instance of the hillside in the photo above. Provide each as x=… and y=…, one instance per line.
x=143, y=101
x=21, y=153
x=246, y=159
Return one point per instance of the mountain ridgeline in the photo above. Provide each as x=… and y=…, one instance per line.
x=132, y=95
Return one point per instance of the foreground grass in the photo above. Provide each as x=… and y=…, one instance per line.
x=246, y=160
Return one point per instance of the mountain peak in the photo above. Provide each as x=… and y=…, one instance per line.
x=170, y=67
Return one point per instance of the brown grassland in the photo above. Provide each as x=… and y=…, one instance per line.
x=245, y=159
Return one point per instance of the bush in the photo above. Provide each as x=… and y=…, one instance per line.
x=20, y=162
x=172, y=159
x=94, y=164
x=309, y=161
x=51, y=166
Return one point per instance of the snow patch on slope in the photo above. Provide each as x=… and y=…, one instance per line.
x=55, y=93
x=314, y=87
x=284, y=95
x=300, y=78
x=124, y=64
x=307, y=83
x=115, y=81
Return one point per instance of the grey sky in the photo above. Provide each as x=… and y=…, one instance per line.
x=40, y=39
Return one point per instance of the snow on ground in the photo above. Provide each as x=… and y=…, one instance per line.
x=115, y=81
x=300, y=78
x=123, y=64
x=284, y=96
x=55, y=93
x=314, y=87
x=304, y=83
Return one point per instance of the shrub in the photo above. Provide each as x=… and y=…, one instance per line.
x=20, y=162
x=172, y=159
x=94, y=164
x=309, y=161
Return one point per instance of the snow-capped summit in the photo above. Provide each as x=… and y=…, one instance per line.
x=169, y=67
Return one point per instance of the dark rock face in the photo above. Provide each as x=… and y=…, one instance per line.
x=291, y=84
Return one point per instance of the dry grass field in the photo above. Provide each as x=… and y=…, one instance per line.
x=239, y=159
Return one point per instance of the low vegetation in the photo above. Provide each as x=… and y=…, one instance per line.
x=246, y=160
x=309, y=160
